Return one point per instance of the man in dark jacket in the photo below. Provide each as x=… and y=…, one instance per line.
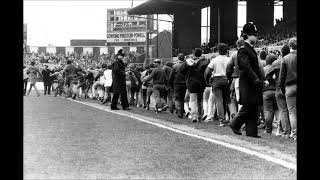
x=233, y=74
x=288, y=84
x=119, y=83
x=69, y=73
x=269, y=97
x=160, y=80
x=177, y=82
x=47, y=80
x=250, y=84
x=280, y=97
x=168, y=91
x=220, y=87
x=194, y=69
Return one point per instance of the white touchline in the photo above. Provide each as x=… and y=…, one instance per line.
x=228, y=145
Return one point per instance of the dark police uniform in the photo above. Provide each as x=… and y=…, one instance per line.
x=119, y=83
x=250, y=85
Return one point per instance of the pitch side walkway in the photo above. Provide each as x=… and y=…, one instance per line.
x=64, y=139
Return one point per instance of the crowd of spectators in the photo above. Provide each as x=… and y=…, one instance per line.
x=279, y=35
x=84, y=60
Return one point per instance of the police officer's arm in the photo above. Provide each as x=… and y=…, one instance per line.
x=244, y=65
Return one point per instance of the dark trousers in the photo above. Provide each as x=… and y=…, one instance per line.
x=179, y=95
x=144, y=96
x=124, y=100
x=159, y=92
x=248, y=115
x=25, y=82
x=107, y=96
x=47, y=87
x=59, y=89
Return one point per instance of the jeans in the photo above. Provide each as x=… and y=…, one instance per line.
x=159, y=93
x=107, y=93
x=59, y=88
x=196, y=105
x=206, y=95
x=68, y=83
x=35, y=88
x=291, y=97
x=283, y=112
x=269, y=108
x=221, y=99
x=170, y=99
x=179, y=97
x=144, y=96
x=149, y=93
x=209, y=107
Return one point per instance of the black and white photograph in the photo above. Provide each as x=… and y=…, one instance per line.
x=160, y=89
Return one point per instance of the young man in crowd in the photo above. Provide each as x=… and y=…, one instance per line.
x=107, y=75
x=159, y=82
x=148, y=85
x=89, y=82
x=250, y=84
x=220, y=87
x=59, y=77
x=32, y=72
x=69, y=73
x=132, y=83
x=280, y=97
x=144, y=86
x=81, y=75
x=288, y=84
x=232, y=73
x=177, y=82
x=193, y=69
x=25, y=80
x=269, y=98
x=168, y=90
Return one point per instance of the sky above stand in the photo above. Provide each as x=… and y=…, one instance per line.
x=57, y=22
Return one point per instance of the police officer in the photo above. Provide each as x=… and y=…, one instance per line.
x=119, y=83
x=47, y=80
x=250, y=84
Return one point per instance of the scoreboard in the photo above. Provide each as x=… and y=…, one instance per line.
x=122, y=27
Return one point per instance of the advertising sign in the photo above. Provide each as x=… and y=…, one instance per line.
x=127, y=37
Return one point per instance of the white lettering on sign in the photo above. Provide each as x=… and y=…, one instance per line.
x=126, y=37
